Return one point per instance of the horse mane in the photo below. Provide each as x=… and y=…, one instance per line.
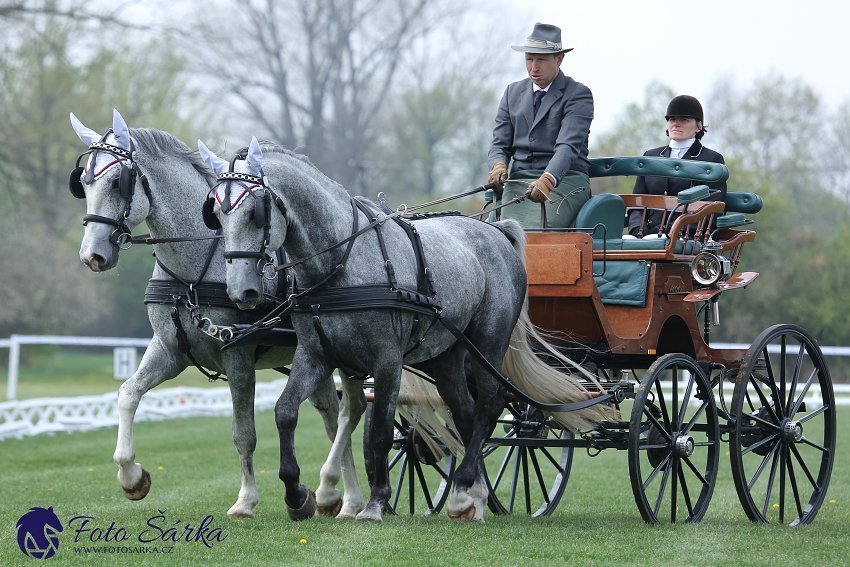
x=272, y=148
x=159, y=143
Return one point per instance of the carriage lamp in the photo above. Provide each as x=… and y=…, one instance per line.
x=709, y=267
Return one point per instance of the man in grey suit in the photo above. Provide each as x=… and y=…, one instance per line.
x=542, y=130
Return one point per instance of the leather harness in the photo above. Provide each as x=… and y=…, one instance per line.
x=320, y=298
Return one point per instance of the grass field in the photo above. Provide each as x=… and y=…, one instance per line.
x=195, y=474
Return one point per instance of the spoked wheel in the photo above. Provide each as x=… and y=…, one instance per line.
x=783, y=444
x=416, y=472
x=673, y=442
x=527, y=470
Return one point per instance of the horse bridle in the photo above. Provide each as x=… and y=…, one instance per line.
x=263, y=198
x=125, y=184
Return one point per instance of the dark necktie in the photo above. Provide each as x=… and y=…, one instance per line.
x=538, y=96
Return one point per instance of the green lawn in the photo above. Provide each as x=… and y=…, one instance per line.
x=195, y=474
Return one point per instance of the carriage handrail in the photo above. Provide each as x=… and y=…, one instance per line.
x=658, y=166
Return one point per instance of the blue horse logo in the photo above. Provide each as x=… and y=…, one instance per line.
x=38, y=533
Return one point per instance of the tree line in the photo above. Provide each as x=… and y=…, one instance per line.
x=373, y=92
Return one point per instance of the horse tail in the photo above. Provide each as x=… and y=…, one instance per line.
x=539, y=380
x=421, y=405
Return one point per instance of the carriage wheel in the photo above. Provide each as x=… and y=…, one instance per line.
x=416, y=473
x=523, y=466
x=673, y=442
x=783, y=445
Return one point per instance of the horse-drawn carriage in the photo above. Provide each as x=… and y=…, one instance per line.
x=639, y=312
x=629, y=317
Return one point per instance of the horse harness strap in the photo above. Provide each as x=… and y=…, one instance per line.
x=157, y=292
x=375, y=296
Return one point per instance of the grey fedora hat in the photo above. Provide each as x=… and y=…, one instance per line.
x=545, y=38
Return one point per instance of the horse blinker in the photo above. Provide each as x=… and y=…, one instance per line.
x=210, y=219
x=75, y=184
x=261, y=210
x=126, y=180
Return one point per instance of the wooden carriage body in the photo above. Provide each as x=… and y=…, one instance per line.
x=565, y=299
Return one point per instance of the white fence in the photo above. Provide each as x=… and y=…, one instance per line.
x=23, y=418
x=14, y=342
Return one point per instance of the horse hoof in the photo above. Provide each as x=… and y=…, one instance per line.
x=306, y=511
x=372, y=513
x=141, y=489
x=349, y=511
x=464, y=515
x=240, y=514
x=330, y=511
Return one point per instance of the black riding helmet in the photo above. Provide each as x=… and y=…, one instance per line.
x=686, y=107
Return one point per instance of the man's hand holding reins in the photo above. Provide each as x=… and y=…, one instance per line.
x=498, y=175
x=538, y=191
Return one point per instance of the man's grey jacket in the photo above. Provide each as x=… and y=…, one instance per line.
x=555, y=140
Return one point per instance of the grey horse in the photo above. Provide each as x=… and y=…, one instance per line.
x=478, y=286
x=176, y=182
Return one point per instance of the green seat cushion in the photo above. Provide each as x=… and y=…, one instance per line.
x=703, y=171
x=606, y=209
x=647, y=244
x=730, y=220
x=624, y=281
x=688, y=196
x=740, y=202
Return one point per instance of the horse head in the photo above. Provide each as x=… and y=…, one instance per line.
x=251, y=215
x=108, y=184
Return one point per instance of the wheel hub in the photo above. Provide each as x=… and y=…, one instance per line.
x=684, y=445
x=792, y=431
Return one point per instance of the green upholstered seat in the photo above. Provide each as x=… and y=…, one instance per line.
x=623, y=282
x=740, y=202
x=606, y=209
x=610, y=211
x=659, y=244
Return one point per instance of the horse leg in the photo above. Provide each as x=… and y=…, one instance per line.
x=306, y=375
x=469, y=491
x=340, y=461
x=241, y=378
x=387, y=375
x=158, y=365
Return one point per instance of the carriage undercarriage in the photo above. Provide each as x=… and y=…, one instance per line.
x=781, y=453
